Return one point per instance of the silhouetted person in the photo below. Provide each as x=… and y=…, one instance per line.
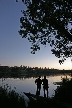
x=38, y=83
x=45, y=85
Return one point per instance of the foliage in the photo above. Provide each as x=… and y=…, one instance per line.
x=64, y=91
x=24, y=1
x=10, y=99
x=48, y=21
x=13, y=100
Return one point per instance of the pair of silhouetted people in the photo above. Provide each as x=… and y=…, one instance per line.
x=44, y=82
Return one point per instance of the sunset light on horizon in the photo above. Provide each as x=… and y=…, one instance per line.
x=14, y=50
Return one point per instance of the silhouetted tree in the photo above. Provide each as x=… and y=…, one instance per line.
x=48, y=21
x=24, y=1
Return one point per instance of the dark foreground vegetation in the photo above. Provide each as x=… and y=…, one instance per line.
x=24, y=71
x=62, y=98
x=10, y=99
x=63, y=92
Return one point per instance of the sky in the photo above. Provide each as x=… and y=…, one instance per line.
x=14, y=50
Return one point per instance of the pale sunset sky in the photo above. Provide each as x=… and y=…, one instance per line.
x=14, y=50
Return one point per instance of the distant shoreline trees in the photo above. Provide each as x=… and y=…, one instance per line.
x=24, y=71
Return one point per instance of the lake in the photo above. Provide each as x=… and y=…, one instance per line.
x=21, y=85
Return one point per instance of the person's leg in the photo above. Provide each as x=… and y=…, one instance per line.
x=47, y=92
x=44, y=92
x=37, y=88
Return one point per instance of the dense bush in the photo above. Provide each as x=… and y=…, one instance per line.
x=11, y=99
x=64, y=91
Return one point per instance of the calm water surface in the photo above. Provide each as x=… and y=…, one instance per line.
x=28, y=84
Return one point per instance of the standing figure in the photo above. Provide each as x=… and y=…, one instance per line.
x=45, y=85
x=38, y=83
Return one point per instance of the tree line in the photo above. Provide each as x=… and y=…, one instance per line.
x=26, y=71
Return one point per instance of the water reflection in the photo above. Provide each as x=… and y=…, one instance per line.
x=28, y=84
